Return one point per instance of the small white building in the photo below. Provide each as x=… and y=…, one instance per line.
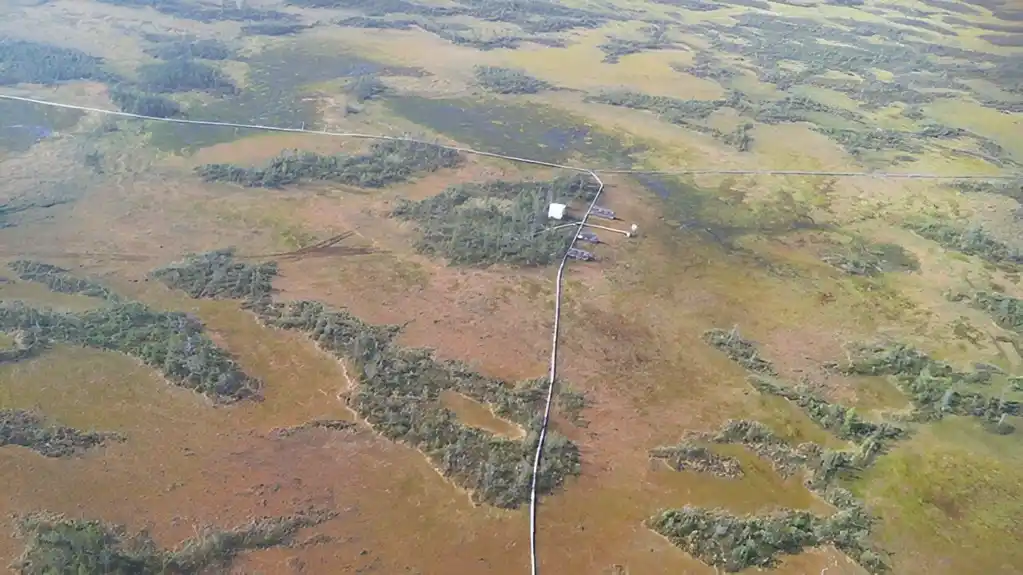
x=556, y=211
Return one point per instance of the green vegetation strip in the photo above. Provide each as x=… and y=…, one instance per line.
x=496, y=222
x=739, y=350
x=735, y=543
x=398, y=394
x=328, y=424
x=176, y=48
x=29, y=429
x=387, y=163
x=60, y=280
x=1009, y=188
x=170, y=342
x=840, y=420
x=688, y=457
x=58, y=545
x=970, y=240
x=186, y=9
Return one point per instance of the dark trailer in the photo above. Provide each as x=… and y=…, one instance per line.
x=583, y=255
x=602, y=213
x=588, y=237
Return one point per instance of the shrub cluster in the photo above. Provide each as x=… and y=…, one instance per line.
x=387, y=163
x=861, y=258
x=496, y=222
x=218, y=275
x=56, y=544
x=508, y=80
x=735, y=543
x=364, y=88
x=25, y=345
x=186, y=9
x=183, y=75
x=1006, y=310
x=188, y=48
x=687, y=456
x=934, y=387
x=135, y=102
x=60, y=280
x=29, y=429
x=273, y=29
x=24, y=62
x=972, y=241
x=739, y=350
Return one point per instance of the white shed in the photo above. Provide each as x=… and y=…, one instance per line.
x=556, y=211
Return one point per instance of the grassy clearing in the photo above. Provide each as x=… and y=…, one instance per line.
x=954, y=493
x=496, y=222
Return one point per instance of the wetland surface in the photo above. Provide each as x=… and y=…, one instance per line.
x=239, y=350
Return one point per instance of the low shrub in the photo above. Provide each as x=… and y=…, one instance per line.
x=387, y=163
x=218, y=274
x=508, y=81
x=29, y=429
